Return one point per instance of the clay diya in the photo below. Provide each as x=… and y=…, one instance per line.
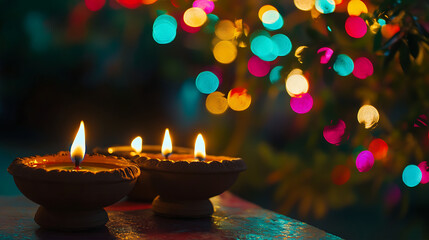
x=185, y=182
x=71, y=192
x=142, y=191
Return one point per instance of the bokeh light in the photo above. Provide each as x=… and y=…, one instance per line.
x=207, y=82
x=421, y=121
x=304, y=5
x=282, y=44
x=263, y=47
x=364, y=161
x=207, y=5
x=325, y=6
x=95, y=5
x=381, y=21
x=324, y=59
x=265, y=9
x=164, y=29
x=340, y=174
x=296, y=84
x=275, y=25
x=131, y=4
x=368, y=115
x=298, y=52
x=343, y=65
x=275, y=74
x=356, y=7
x=258, y=67
x=225, y=30
x=216, y=103
x=194, y=17
x=389, y=30
x=356, y=27
x=411, y=176
x=335, y=132
x=379, y=148
x=270, y=16
x=362, y=68
x=424, y=168
x=225, y=52
x=148, y=2
x=301, y=104
x=239, y=99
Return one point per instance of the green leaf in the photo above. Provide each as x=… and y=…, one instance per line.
x=404, y=58
x=413, y=45
x=377, y=41
x=391, y=53
x=393, y=40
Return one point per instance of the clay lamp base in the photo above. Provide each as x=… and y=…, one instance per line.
x=185, y=184
x=142, y=191
x=73, y=200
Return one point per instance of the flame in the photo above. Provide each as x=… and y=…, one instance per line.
x=200, y=148
x=167, y=146
x=137, y=144
x=77, y=150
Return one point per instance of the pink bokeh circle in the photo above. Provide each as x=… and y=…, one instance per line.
x=364, y=161
x=424, y=168
x=356, y=27
x=301, y=104
x=334, y=133
x=363, y=68
x=258, y=67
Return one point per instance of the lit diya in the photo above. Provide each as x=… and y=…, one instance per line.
x=142, y=191
x=138, y=149
x=185, y=182
x=72, y=189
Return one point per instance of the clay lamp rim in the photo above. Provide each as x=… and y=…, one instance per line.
x=123, y=170
x=212, y=164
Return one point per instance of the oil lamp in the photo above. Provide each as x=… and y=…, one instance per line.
x=185, y=182
x=72, y=188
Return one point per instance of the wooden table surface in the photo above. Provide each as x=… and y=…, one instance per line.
x=234, y=218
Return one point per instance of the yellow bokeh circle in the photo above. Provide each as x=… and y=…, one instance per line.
x=304, y=5
x=356, y=7
x=296, y=84
x=195, y=17
x=239, y=99
x=225, y=52
x=368, y=115
x=225, y=30
x=216, y=103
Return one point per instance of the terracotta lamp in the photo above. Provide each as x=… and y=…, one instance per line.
x=142, y=191
x=72, y=192
x=185, y=182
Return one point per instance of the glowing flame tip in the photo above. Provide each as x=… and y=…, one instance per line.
x=77, y=150
x=137, y=144
x=200, y=148
x=167, y=146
